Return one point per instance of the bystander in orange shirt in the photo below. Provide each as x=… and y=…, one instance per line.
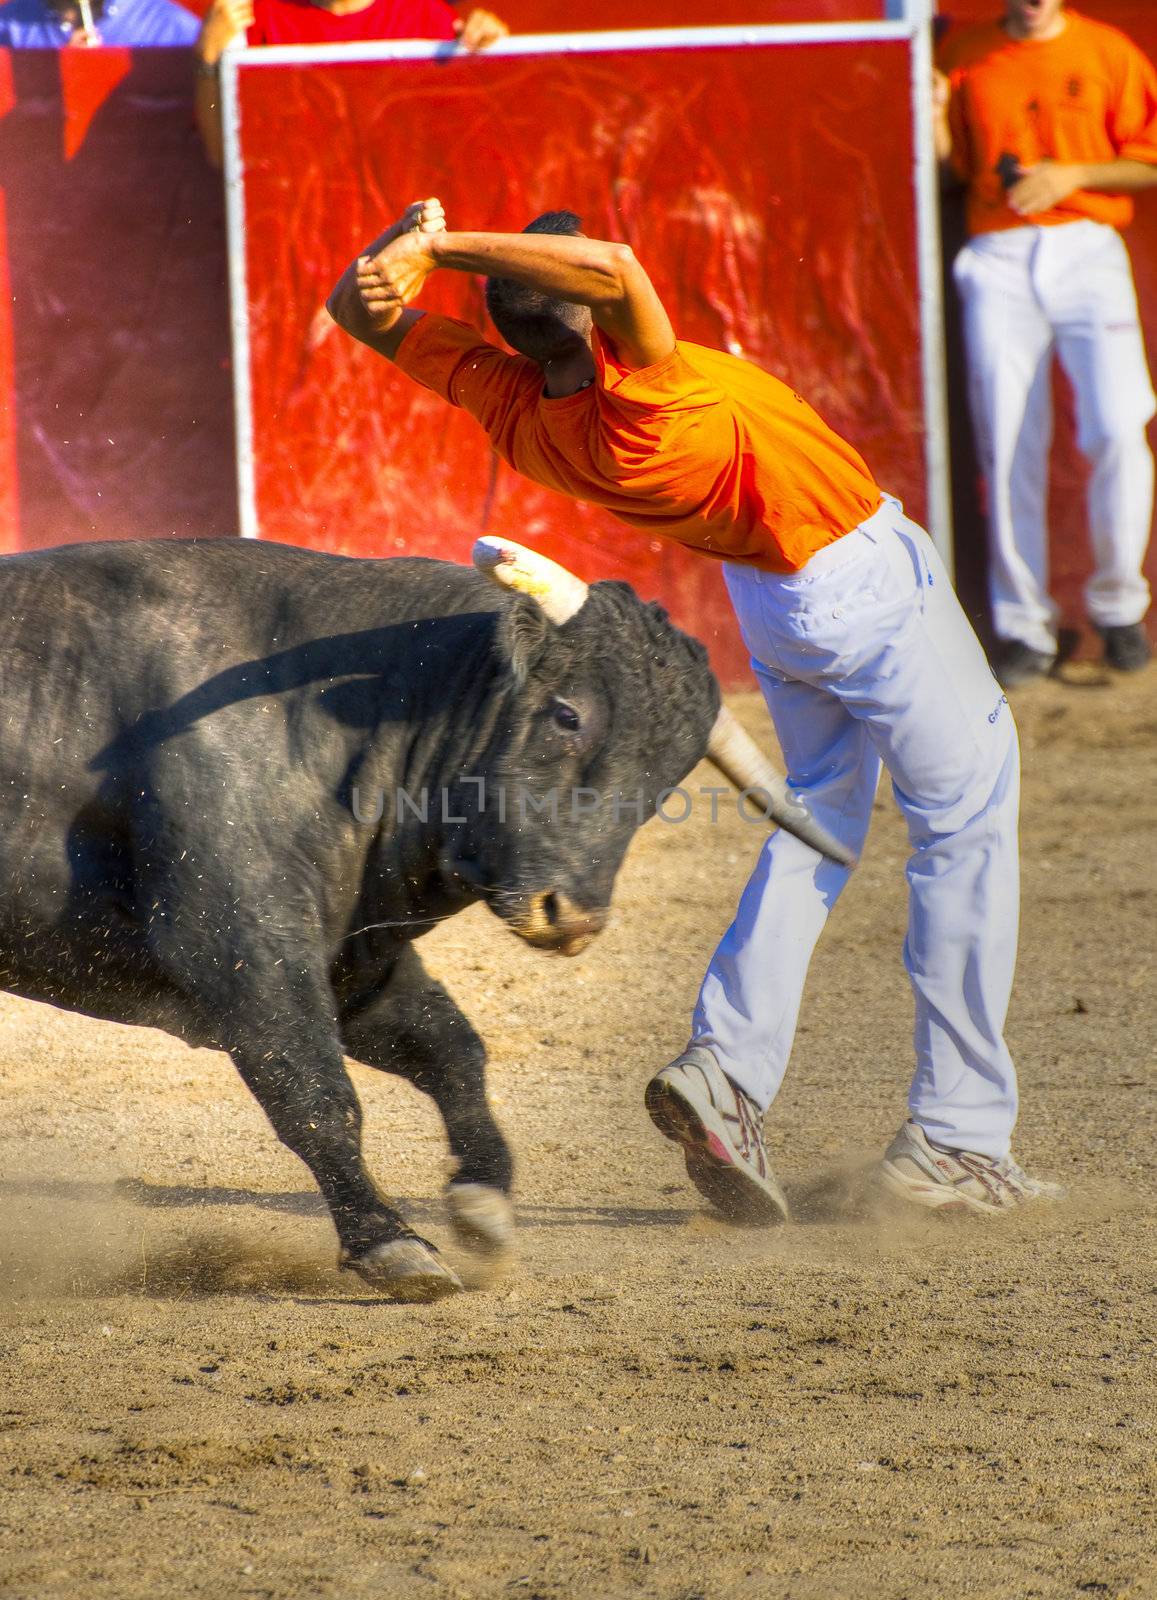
x=1087, y=95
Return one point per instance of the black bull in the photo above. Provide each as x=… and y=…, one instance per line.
x=186, y=733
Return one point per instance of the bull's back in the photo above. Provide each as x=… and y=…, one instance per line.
x=93, y=637
x=122, y=661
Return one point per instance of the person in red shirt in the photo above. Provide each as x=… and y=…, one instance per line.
x=1051, y=121
x=271, y=22
x=856, y=637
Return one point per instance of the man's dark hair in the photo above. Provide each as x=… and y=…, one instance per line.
x=535, y=324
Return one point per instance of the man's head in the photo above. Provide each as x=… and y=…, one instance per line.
x=535, y=324
x=1034, y=19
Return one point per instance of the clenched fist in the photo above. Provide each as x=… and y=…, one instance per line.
x=389, y=273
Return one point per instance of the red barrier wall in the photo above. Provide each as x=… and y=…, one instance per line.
x=805, y=259
x=563, y=16
x=115, y=401
x=1070, y=546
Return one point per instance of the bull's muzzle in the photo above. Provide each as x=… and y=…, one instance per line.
x=551, y=921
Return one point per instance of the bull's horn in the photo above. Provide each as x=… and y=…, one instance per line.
x=513, y=566
x=740, y=760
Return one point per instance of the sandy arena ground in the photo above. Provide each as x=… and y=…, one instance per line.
x=196, y=1403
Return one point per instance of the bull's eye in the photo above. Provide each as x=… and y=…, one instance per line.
x=565, y=716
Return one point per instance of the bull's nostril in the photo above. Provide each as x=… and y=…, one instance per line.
x=553, y=921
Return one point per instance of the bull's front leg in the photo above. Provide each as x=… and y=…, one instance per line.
x=239, y=948
x=415, y=1029
x=283, y=1041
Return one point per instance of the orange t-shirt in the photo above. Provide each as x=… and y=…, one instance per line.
x=1088, y=95
x=701, y=448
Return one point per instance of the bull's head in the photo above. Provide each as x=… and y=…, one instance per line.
x=608, y=707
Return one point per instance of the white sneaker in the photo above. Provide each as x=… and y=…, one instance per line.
x=925, y=1174
x=720, y=1129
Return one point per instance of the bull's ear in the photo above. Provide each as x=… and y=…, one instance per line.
x=523, y=631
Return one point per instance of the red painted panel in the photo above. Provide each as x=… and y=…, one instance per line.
x=563, y=16
x=767, y=190
x=115, y=402
x=1069, y=544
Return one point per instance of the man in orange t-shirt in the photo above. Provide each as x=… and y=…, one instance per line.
x=859, y=644
x=1051, y=121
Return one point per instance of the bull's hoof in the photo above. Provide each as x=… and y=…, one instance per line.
x=406, y=1270
x=482, y=1216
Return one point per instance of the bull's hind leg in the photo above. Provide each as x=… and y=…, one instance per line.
x=414, y=1029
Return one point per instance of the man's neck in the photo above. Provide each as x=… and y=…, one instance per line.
x=1020, y=34
x=568, y=374
x=342, y=8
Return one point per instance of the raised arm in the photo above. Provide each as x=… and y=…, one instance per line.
x=222, y=23
x=591, y=272
x=606, y=277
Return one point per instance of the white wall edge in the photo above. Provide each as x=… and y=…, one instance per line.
x=238, y=294
x=537, y=44
x=933, y=359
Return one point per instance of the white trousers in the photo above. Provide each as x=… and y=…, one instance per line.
x=866, y=656
x=1029, y=293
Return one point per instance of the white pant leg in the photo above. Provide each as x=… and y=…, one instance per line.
x=957, y=781
x=882, y=634
x=749, y=1002
x=1009, y=344
x=1086, y=285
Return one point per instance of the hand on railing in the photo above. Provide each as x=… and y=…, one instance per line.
x=224, y=20
x=480, y=29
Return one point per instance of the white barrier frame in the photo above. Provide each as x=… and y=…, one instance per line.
x=909, y=20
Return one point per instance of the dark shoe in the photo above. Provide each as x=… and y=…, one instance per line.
x=1015, y=662
x=1127, y=647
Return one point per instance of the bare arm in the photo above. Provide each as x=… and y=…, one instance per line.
x=1123, y=176
x=592, y=272
x=941, y=130
x=223, y=21
x=207, y=112
x=1048, y=182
